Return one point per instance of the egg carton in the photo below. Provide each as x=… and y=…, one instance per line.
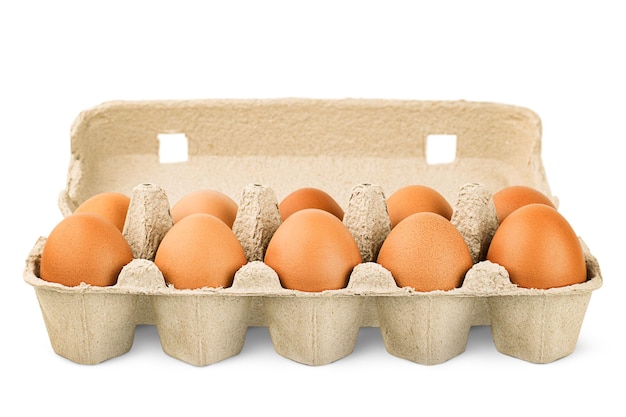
x=257, y=151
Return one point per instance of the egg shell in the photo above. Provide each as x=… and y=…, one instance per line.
x=313, y=251
x=426, y=252
x=509, y=199
x=112, y=206
x=415, y=199
x=538, y=248
x=309, y=197
x=199, y=251
x=206, y=201
x=85, y=248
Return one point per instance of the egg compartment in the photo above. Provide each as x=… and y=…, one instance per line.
x=332, y=144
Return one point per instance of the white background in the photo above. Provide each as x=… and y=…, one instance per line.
x=564, y=60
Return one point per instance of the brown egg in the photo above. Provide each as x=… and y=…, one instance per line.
x=110, y=205
x=84, y=247
x=539, y=248
x=309, y=197
x=426, y=252
x=199, y=251
x=415, y=199
x=312, y=250
x=509, y=199
x=206, y=201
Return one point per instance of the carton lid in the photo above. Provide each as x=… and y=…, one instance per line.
x=293, y=142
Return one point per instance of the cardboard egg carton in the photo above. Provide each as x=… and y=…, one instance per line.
x=257, y=151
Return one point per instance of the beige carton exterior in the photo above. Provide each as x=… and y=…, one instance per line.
x=257, y=151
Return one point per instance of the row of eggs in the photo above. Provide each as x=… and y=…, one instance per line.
x=312, y=250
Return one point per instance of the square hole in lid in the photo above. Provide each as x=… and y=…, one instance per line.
x=173, y=147
x=440, y=149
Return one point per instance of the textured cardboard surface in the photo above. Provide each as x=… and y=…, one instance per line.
x=283, y=143
x=257, y=151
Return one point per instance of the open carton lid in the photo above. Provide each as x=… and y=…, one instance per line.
x=290, y=143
